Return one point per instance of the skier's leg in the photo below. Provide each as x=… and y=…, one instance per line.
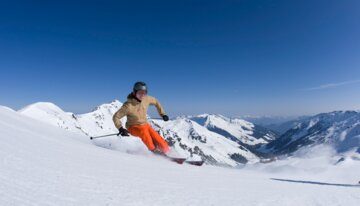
x=142, y=132
x=159, y=141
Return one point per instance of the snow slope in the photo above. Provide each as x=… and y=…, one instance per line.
x=44, y=165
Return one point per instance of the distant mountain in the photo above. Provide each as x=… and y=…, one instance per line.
x=340, y=129
x=281, y=128
x=267, y=120
x=278, y=124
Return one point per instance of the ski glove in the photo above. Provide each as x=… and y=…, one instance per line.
x=165, y=118
x=123, y=132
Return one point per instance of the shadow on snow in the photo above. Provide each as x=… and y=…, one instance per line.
x=317, y=183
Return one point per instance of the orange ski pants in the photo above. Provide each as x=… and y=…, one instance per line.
x=149, y=136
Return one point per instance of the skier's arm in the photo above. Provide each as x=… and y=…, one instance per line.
x=122, y=112
x=156, y=103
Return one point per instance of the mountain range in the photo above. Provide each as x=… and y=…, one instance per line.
x=339, y=129
x=217, y=139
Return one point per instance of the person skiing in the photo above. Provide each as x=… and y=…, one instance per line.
x=135, y=109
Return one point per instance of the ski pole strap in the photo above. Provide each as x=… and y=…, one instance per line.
x=104, y=136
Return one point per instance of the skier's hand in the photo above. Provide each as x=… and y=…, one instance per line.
x=123, y=132
x=165, y=118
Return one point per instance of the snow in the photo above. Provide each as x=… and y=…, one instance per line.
x=45, y=165
x=317, y=164
x=312, y=123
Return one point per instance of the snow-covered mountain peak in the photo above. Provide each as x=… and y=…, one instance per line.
x=6, y=108
x=217, y=119
x=50, y=113
x=114, y=104
x=41, y=107
x=97, y=122
x=205, y=115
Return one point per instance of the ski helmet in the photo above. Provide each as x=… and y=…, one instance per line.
x=139, y=86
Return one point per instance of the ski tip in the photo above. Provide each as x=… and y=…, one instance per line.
x=177, y=160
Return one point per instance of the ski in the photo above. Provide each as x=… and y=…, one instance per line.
x=176, y=159
x=196, y=163
x=181, y=160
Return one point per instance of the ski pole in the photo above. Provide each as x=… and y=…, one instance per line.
x=104, y=136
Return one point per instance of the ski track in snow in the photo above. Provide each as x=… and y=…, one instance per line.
x=45, y=165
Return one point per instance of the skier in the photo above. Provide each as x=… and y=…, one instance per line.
x=135, y=109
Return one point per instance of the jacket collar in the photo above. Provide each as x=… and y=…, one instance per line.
x=131, y=97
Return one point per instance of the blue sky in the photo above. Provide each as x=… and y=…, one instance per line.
x=230, y=57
